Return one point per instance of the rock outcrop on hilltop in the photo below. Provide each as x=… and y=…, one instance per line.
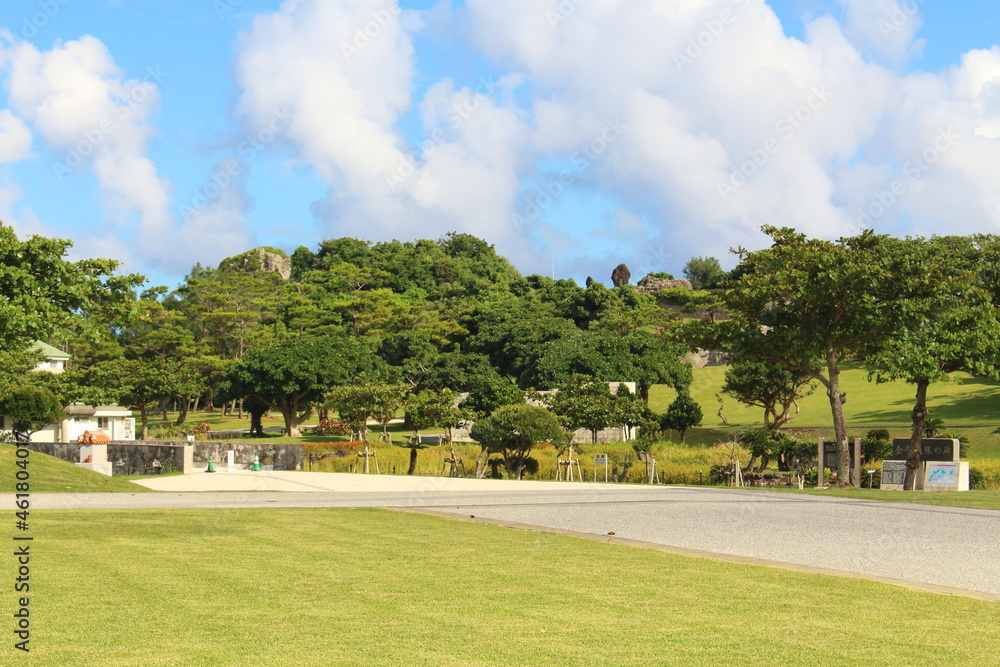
x=658, y=285
x=260, y=259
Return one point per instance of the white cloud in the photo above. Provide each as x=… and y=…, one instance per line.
x=22, y=219
x=345, y=122
x=726, y=123
x=15, y=137
x=90, y=114
x=885, y=27
x=214, y=227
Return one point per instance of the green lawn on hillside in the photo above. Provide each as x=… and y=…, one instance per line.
x=964, y=401
x=51, y=475
x=377, y=587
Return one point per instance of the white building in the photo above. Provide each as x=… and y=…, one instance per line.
x=107, y=419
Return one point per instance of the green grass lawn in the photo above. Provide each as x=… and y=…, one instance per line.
x=963, y=401
x=376, y=587
x=52, y=475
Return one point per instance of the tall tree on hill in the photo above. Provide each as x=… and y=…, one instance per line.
x=42, y=293
x=293, y=375
x=808, y=304
x=704, y=272
x=955, y=331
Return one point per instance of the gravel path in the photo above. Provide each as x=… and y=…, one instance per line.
x=932, y=546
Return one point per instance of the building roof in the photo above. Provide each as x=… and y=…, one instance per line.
x=49, y=351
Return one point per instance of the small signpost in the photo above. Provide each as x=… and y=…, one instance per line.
x=601, y=460
x=231, y=461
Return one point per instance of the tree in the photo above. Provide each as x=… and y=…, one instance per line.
x=292, y=376
x=771, y=387
x=427, y=409
x=513, y=430
x=954, y=329
x=43, y=293
x=630, y=411
x=31, y=408
x=808, y=304
x=353, y=405
x=139, y=384
x=386, y=399
x=580, y=402
x=704, y=272
x=682, y=414
x=639, y=356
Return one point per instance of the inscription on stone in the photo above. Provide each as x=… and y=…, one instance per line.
x=933, y=449
x=893, y=475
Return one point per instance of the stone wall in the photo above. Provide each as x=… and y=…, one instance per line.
x=658, y=285
x=136, y=457
x=284, y=456
x=707, y=358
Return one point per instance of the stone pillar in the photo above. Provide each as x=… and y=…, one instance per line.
x=188, y=466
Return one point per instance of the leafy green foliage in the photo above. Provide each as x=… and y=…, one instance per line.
x=704, y=272
x=682, y=414
x=43, y=293
x=31, y=408
x=808, y=304
x=293, y=375
x=513, y=430
x=765, y=385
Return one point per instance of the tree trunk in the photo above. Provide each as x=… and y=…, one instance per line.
x=913, y=453
x=144, y=417
x=290, y=415
x=183, y=414
x=837, y=400
x=481, y=462
x=413, y=462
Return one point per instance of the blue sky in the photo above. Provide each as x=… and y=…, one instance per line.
x=579, y=133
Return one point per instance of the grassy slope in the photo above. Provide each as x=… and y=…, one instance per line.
x=372, y=587
x=963, y=401
x=49, y=474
